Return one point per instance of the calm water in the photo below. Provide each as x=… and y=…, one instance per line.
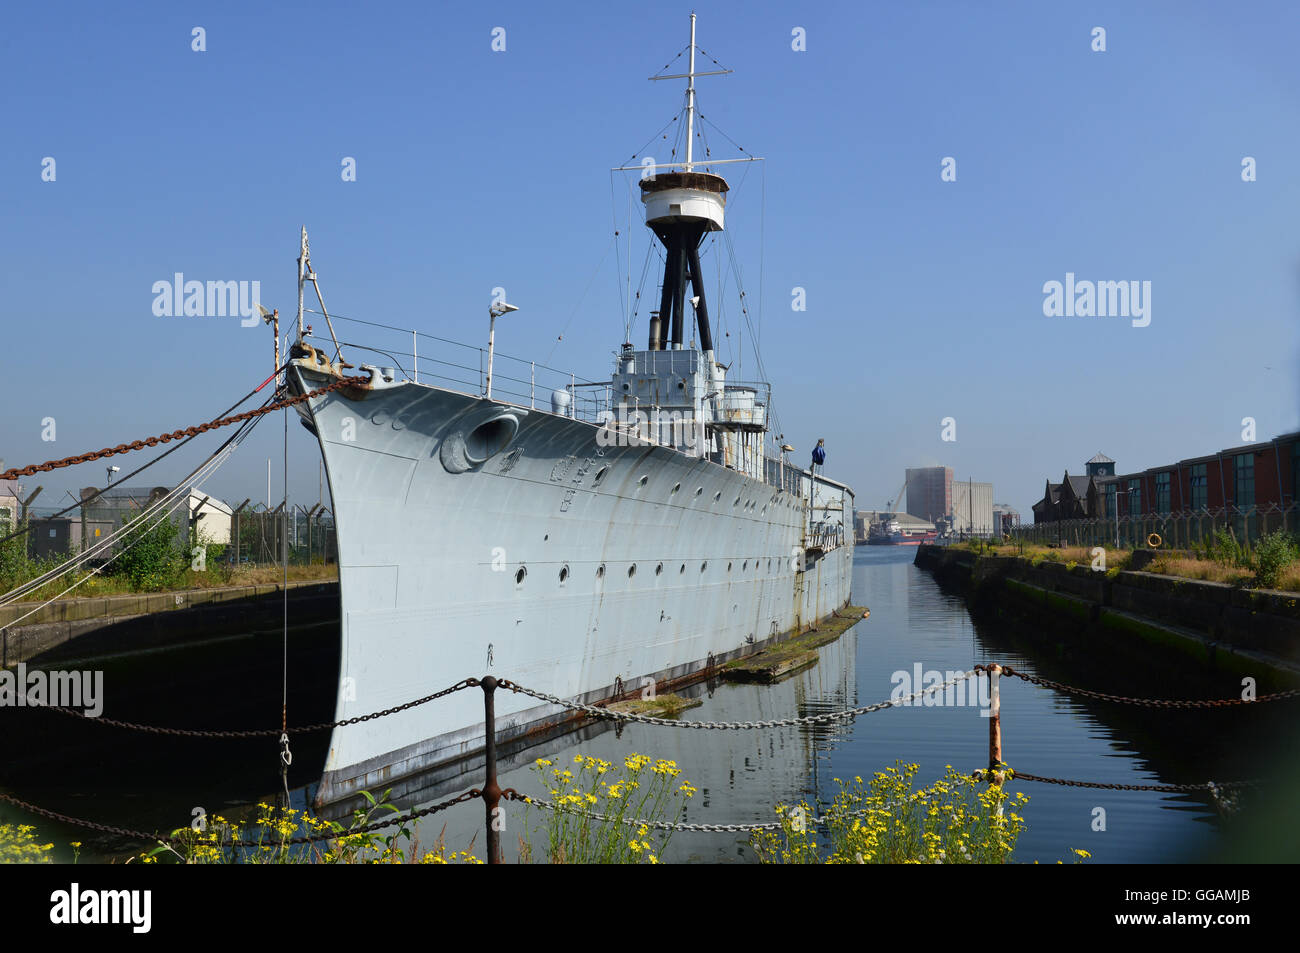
x=740, y=775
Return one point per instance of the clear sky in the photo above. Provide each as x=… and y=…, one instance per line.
x=478, y=168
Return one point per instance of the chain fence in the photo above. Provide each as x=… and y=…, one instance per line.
x=491, y=793
x=1185, y=529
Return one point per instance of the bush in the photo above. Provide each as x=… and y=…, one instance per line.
x=151, y=558
x=885, y=821
x=1273, y=554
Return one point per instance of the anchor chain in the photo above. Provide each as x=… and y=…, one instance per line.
x=49, y=465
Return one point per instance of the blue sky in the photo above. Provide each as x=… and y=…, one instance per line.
x=478, y=169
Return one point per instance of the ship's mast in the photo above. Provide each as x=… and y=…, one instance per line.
x=690, y=101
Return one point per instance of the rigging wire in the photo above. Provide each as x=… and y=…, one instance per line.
x=590, y=282
x=98, y=493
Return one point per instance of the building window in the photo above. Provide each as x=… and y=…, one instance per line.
x=1111, y=494
x=1200, y=487
x=1243, y=465
x=1162, y=493
x=1135, y=497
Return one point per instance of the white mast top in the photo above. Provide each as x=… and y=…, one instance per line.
x=689, y=76
x=690, y=100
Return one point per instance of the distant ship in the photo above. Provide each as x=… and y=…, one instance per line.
x=640, y=536
x=893, y=532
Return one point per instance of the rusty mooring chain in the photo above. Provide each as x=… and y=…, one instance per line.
x=657, y=825
x=179, y=434
x=185, y=841
x=261, y=732
x=823, y=719
x=1144, y=702
x=1210, y=786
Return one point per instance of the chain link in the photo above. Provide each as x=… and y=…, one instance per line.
x=186, y=841
x=1211, y=786
x=261, y=732
x=821, y=719
x=179, y=434
x=1143, y=702
x=657, y=825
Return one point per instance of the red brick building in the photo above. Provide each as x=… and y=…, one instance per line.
x=1260, y=475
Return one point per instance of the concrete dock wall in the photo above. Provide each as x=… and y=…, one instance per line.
x=155, y=620
x=1222, y=625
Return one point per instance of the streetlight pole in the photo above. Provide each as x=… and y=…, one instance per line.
x=494, y=312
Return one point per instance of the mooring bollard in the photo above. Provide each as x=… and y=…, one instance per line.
x=491, y=790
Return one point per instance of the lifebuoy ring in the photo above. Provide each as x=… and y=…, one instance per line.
x=1154, y=540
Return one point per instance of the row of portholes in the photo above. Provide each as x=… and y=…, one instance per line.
x=522, y=572
x=750, y=505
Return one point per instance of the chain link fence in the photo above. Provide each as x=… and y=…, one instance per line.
x=1181, y=530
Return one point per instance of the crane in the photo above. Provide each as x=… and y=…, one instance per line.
x=890, y=507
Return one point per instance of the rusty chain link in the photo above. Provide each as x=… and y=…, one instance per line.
x=1144, y=702
x=823, y=719
x=179, y=434
x=260, y=732
x=186, y=841
x=1210, y=786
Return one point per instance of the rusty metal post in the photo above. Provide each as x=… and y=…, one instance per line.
x=995, y=724
x=996, y=777
x=491, y=790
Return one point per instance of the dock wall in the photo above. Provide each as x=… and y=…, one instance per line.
x=1221, y=626
x=157, y=619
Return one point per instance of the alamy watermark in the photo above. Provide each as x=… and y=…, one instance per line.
x=56, y=689
x=213, y=299
x=938, y=695
x=637, y=428
x=1101, y=299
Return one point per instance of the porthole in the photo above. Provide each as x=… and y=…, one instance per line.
x=728, y=567
x=745, y=567
x=519, y=576
x=736, y=502
x=631, y=570
x=564, y=575
x=676, y=487
x=600, y=475
x=704, y=565
x=600, y=571
x=699, y=490
x=682, y=570
x=717, y=496
x=643, y=481
x=659, y=570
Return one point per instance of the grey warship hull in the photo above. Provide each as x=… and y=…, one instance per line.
x=482, y=537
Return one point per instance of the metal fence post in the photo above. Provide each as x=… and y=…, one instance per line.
x=995, y=725
x=491, y=790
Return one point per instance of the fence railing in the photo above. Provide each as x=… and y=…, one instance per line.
x=996, y=774
x=1179, y=530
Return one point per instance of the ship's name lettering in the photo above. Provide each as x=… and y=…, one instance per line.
x=561, y=468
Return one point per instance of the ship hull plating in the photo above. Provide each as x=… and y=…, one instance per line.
x=477, y=537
